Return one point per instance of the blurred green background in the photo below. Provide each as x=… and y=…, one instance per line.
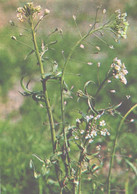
x=23, y=123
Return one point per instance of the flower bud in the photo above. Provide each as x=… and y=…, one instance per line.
x=46, y=11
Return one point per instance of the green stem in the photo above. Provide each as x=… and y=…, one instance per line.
x=36, y=48
x=40, y=186
x=62, y=112
x=50, y=115
x=114, y=147
x=79, y=186
x=101, y=85
x=60, y=191
x=67, y=159
x=76, y=45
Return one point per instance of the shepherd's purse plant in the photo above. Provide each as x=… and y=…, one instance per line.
x=68, y=138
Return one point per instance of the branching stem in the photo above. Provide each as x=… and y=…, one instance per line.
x=90, y=32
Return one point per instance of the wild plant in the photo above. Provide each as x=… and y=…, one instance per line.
x=73, y=156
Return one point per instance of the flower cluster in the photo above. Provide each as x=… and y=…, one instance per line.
x=89, y=127
x=120, y=24
x=103, y=130
x=27, y=10
x=119, y=70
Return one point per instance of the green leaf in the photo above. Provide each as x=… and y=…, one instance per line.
x=30, y=53
x=132, y=166
x=86, y=84
x=27, y=92
x=52, y=182
x=38, y=158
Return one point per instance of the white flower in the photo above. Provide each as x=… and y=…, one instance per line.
x=93, y=133
x=104, y=132
x=119, y=70
x=76, y=137
x=117, y=67
x=91, y=140
x=109, y=81
x=46, y=11
x=82, y=131
x=102, y=123
x=108, y=133
x=124, y=71
x=88, y=118
x=87, y=136
x=124, y=80
x=97, y=117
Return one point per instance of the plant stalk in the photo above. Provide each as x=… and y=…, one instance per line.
x=36, y=48
x=48, y=107
x=114, y=147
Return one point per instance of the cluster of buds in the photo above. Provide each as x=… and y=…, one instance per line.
x=27, y=10
x=120, y=24
x=119, y=70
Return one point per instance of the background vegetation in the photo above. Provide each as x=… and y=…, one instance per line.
x=23, y=126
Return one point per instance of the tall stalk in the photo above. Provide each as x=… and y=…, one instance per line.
x=45, y=92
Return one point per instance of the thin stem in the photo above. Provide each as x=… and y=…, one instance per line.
x=98, y=75
x=60, y=191
x=50, y=115
x=102, y=84
x=65, y=147
x=40, y=186
x=76, y=45
x=114, y=147
x=79, y=185
x=36, y=49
